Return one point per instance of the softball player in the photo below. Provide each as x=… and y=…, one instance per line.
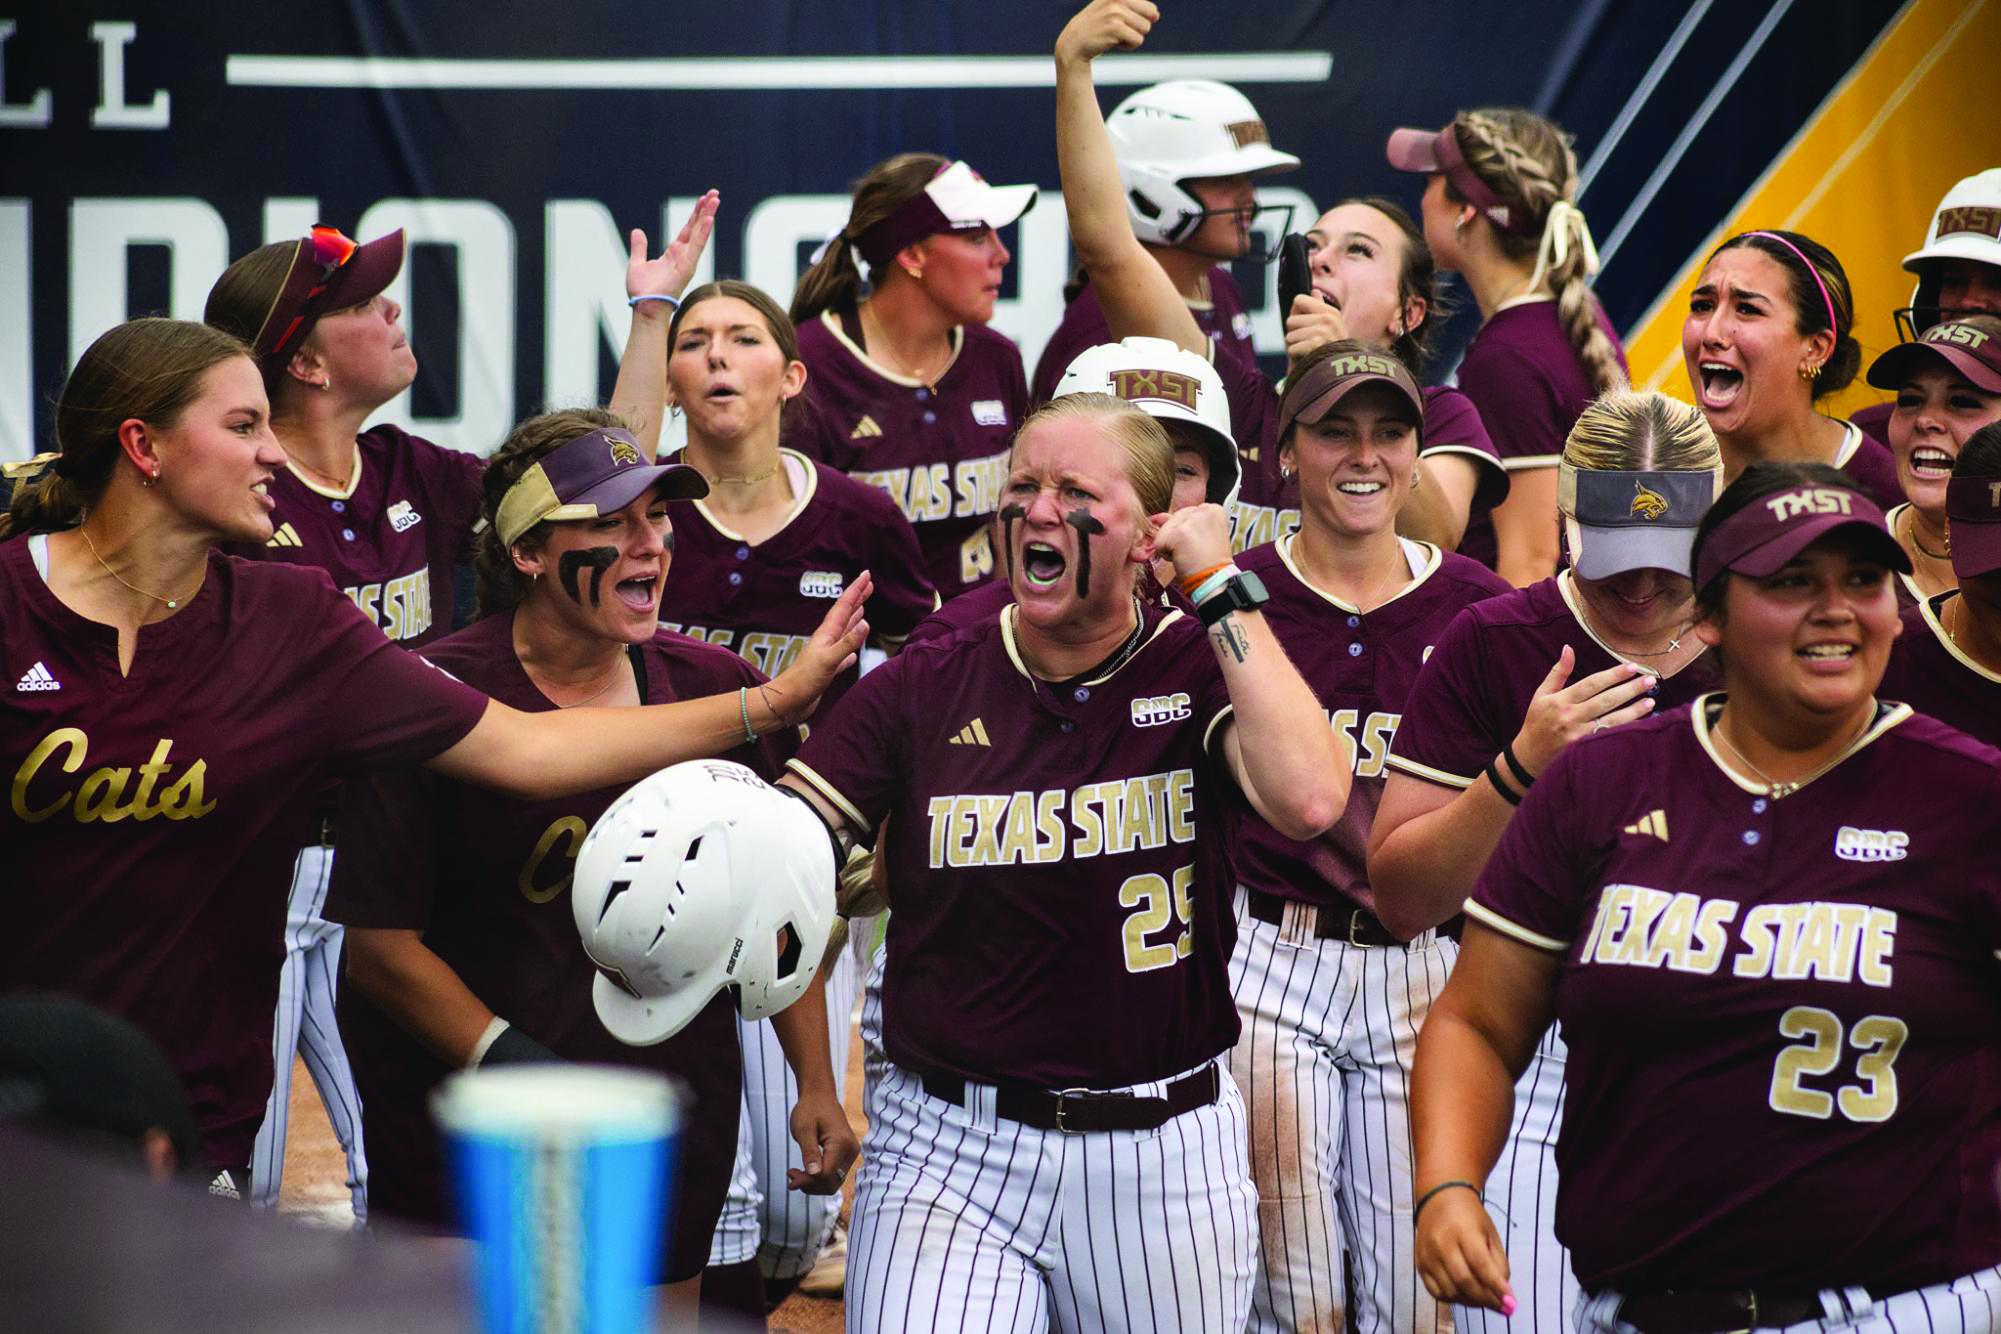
x=1947, y=663
x=1948, y=386
x=756, y=562
x=389, y=516
x=462, y=949
x=908, y=388
x=1768, y=925
x=1039, y=1130
x=1768, y=334
x=158, y=677
x=1331, y=1000
x=1499, y=209
x=1189, y=153
x=1638, y=473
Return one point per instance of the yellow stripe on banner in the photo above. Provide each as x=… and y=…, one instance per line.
x=1862, y=178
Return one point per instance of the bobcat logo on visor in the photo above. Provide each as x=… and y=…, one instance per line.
x=1166, y=386
x=623, y=454
x=1647, y=504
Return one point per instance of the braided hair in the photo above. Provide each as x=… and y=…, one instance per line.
x=1528, y=163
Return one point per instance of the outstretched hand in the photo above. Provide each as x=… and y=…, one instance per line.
x=1106, y=25
x=792, y=694
x=670, y=273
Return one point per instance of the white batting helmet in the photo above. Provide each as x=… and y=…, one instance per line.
x=1181, y=131
x=1965, y=225
x=1171, y=384
x=684, y=886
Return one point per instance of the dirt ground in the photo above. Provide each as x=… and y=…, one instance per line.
x=315, y=1186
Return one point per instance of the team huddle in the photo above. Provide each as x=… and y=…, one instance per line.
x=1313, y=853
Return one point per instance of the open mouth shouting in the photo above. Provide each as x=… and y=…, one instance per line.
x=1042, y=565
x=1929, y=464
x=640, y=593
x=1721, y=385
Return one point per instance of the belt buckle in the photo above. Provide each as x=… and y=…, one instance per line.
x=1062, y=1100
x=1354, y=925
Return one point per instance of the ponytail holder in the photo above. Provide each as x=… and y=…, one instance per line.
x=1553, y=251
x=839, y=236
x=27, y=470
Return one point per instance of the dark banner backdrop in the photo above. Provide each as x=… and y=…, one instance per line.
x=143, y=145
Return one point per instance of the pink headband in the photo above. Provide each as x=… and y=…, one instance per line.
x=1832, y=327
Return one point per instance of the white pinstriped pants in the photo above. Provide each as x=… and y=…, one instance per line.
x=1521, y=1199
x=305, y=1024
x=1330, y=1030
x=964, y=1221
x=1970, y=1304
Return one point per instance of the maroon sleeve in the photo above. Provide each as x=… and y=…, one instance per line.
x=855, y=757
x=1518, y=405
x=1533, y=887
x=386, y=870
x=462, y=486
x=381, y=704
x=1452, y=425
x=1444, y=737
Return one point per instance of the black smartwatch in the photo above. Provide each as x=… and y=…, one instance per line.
x=1242, y=591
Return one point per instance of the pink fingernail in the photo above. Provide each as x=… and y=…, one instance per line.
x=1507, y=1306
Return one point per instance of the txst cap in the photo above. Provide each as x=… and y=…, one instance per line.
x=1431, y=151
x=1973, y=352
x=328, y=272
x=1633, y=520
x=1170, y=384
x=1760, y=538
x=1967, y=224
x=1312, y=394
x=956, y=199
x=1973, y=517
x=592, y=475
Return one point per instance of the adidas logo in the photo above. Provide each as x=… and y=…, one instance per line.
x=223, y=1188
x=286, y=536
x=973, y=733
x=865, y=429
x=1651, y=825
x=38, y=677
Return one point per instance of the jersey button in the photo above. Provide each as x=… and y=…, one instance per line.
x=743, y=553
x=1081, y=693
x=929, y=417
x=1066, y=726
x=923, y=394
x=1354, y=650
x=1758, y=806
x=736, y=577
x=340, y=507
x=1750, y=838
x=1354, y=622
x=347, y=534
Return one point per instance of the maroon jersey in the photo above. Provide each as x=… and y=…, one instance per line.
x=1223, y=320
x=486, y=878
x=1361, y=667
x=939, y=450
x=1522, y=373
x=1474, y=691
x=391, y=538
x=1870, y=466
x=975, y=608
x=1268, y=507
x=155, y=815
x=1929, y=672
x=764, y=600
x=1783, y=1017
x=1874, y=421
x=1057, y=920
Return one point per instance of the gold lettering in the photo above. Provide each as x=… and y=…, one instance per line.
x=570, y=827
x=1816, y=946
x=183, y=801
x=1089, y=819
x=98, y=798
x=1716, y=915
x=1879, y=937
x=1647, y=907
x=78, y=744
x=940, y=811
x=1608, y=904
x=1181, y=805
x=1673, y=932
x=150, y=773
x=1018, y=838
x=1758, y=933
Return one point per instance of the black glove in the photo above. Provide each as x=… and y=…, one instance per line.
x=513, y=1047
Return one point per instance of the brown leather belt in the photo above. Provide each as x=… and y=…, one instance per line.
x=1082, y=1111
x=1357, y=926
x=1704, y=1312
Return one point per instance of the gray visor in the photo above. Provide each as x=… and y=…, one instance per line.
x=1634, y=520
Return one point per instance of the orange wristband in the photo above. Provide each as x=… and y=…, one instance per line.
x=1190, y=583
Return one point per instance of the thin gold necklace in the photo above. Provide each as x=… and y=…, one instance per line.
x=929, y=378
x=171, y=603
x=1911, y=530
x=748, y=479
x=1775, y=789
x=609, y=681
x=327, y=480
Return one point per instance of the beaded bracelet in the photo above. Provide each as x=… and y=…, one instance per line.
x=673, y=302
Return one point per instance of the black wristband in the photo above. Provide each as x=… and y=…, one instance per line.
x=839, y=842
x=1508, y=794
x=1425, y=1198
x=1517, y=768
x=513, y=1047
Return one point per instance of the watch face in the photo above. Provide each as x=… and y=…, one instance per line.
x=1254, y=589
